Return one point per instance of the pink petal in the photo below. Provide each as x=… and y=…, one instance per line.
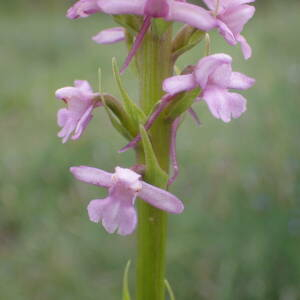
x=66, y=93
x=128, y=177
x=180, y=83
x=226, y=33
x=161, y=199
x=237, y=104
x=113, y=215
x=119, y=211
x=62, y=117
x=224, y=105
x=83, y=122
x=128, y=221
x=246, y=49
x=84, y=86
x=92, y=176
x=225, y=4
x=236, y=17
x=95, y=209
x=156, y=8
x=207, y=65
x=221, y=76
x=240, y=81
x=122, y=7
x=82, y=9
x=192, y=15
x=67, y=130
x=110, y=36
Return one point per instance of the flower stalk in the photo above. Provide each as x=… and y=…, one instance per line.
x=154, y=65
x=150, y=127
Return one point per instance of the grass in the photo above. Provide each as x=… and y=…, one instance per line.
x=239, y=236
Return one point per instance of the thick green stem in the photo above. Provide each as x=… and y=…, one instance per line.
x=154, y=65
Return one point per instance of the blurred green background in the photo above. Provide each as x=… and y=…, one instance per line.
x=239, y=237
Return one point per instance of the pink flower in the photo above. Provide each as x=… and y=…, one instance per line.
x=83, y=9
x=214, y=75
x=117, y=212
x=110, y=36
x=231, y=16
x=81, y=102
x=171, y=10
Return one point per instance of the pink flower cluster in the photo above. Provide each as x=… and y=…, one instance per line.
x=228, y=16
x=212, y=75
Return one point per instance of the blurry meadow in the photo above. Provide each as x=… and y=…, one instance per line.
x=239, y=237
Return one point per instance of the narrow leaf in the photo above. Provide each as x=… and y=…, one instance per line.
x=169, y=290
x=125, y=292
x=131, y=108
x=153, y=170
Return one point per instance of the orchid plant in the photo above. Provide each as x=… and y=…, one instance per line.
x=150, y=126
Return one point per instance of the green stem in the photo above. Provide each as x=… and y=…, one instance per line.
x=154, y=65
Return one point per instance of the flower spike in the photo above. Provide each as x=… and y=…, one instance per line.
x=117, y=212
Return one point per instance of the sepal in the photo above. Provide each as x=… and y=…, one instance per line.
x=187, y=38
x=136, y=114
x=181, y=104
x=130, y=22
x=116, y=113
x=154, y=173
x=160, y=26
